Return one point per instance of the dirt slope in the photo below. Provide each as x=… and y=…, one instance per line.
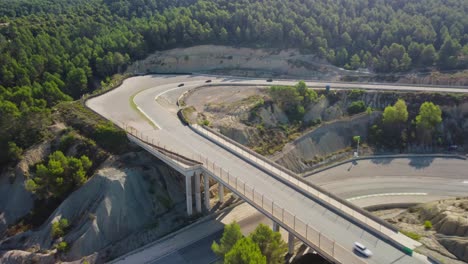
x=237, y=61
x=116, y=202
x=448, y=237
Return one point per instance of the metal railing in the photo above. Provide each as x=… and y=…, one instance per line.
x=301, y=228
x=288, y=176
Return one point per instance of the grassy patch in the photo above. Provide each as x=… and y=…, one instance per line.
x=187, y=113
x=411, y=235
x=104, y=133
x=135, y=107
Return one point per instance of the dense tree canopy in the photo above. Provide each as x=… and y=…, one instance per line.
x=245, y=251
x=231, y=235
x=396, y=114
x=429, y=116
x=270, y=243
x=59, y=176
x=56, y=50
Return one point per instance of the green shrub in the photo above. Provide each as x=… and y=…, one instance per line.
x=356, y=93
x=110, y=137
x=59, y=228
x=67, y=140
x=356, y=107
x=62, y=246
x=411, y=235
x=428, y=225
x=14, y=152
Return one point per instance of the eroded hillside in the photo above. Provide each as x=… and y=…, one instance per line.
x=324, y=130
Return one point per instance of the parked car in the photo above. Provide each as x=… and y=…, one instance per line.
x=360, y=248
x=269, y=80
x=208, y=81
x=180, y=85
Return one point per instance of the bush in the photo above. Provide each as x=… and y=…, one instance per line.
x=110, y=137
x=356, y=107
x=67, y=140
x=14, y=152
x=428, y=225
x=411, y=235
x=356, y=93
x=59, y=227
x=62, y=246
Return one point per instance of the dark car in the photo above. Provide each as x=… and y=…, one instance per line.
x=180, y=85
x=452, y=147
x=208, y=81
x=269, y=80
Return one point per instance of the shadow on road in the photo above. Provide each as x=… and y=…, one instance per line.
x=382, y=161
x=420, y=163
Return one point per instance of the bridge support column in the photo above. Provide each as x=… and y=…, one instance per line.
x=291, y=239
x=221, y=192
x=197, y=192
x=188, y=194
x=276, y=226
x=206, y=186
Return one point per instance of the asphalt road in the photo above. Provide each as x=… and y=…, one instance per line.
x=116, y=106
x=387, y=181
x=198, y=252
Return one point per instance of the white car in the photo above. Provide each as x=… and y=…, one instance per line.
x=362, y=249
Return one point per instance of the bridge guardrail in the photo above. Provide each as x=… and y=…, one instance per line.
x=321, y=243
x=292, y=177
x=346, y=209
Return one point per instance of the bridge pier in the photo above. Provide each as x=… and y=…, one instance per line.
x=221, y=192
x=276, y=226
x=206, y=180
x=197, y=192
x=188, y=194
x=291, y=240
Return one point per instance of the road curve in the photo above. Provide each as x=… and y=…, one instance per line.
x=116, y=106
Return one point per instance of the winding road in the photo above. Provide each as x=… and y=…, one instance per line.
x=157, y=120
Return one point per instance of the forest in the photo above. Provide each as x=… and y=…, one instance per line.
x=57, y=50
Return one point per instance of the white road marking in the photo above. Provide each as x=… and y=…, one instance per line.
x=385, y=194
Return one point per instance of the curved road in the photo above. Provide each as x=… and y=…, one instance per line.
x=117, y=106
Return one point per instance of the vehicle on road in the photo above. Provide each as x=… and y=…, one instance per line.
x=208, y=81
x=452, y=147
x=360, y=248
x=180, y=85
x=269, y=80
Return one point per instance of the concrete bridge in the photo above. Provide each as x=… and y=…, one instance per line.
x=321, y=220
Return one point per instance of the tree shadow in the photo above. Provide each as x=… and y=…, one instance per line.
x=382, y=161
x=420, y=162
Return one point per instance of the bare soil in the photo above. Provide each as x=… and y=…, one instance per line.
x=447, y=239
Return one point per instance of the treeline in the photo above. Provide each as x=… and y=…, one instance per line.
x=52, y=51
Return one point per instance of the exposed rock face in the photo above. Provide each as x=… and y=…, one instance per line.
x=457, y=245
x=449, y=220
x=326, y=139
x=448, y=217
x=237, y=61
x=19, y=257
x=113, y=204
x=15, y=201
